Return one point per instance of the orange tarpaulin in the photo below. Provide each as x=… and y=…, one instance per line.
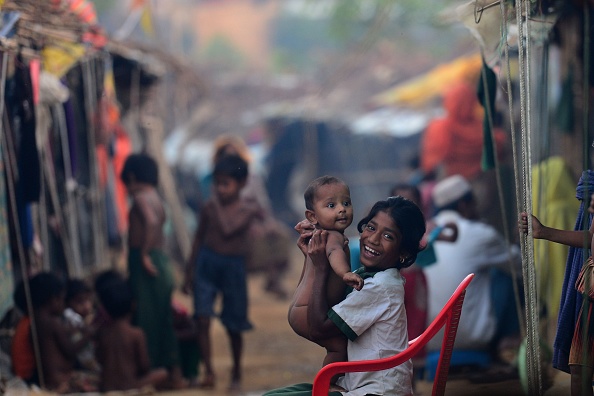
x=455, y=141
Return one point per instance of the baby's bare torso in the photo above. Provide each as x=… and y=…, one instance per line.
x=335, y=288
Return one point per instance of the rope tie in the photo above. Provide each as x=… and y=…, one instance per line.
x=527, y=243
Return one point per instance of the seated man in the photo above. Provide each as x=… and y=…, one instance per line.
x=489, y=316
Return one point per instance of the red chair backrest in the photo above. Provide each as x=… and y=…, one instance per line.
x=448, y=318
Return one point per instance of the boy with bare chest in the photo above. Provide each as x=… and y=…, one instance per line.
x=328, y=207
x=217, y=263
x=150, y=272
x=121, y=347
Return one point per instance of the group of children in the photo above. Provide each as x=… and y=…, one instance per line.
x=79, y=348
x=217, y=262
x=82, y=349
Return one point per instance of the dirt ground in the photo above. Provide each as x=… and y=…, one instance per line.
x=275, y=356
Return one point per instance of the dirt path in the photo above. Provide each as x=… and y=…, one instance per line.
x=275, y=356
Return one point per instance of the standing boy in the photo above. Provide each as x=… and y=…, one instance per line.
x=217, y=262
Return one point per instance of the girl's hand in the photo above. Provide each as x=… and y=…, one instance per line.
x=304, y=226
x=591, y=207
x=305, y=230
x=537, y=227
x=316, y=248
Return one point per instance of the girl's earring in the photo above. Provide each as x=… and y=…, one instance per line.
x=402, y=260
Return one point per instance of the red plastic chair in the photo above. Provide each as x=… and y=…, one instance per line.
x=449, y=318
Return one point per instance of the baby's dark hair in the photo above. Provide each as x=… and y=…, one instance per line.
x=114, y=294
x=310, y=192
x=233, y=166
x=142, y=167
x=76, y=287
x=410, y=221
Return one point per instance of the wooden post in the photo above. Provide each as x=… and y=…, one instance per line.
x=154, y=145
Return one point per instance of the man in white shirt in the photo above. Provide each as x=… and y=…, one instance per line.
x=489, y=311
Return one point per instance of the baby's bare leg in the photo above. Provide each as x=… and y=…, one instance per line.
x=335, y=289
x=298, y=320
x=336, y=350
x=298, y=309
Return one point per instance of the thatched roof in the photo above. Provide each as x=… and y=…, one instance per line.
x=41, y=22
x=147, y=65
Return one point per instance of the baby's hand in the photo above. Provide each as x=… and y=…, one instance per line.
x=353, y=280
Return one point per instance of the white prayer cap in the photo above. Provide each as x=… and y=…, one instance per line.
x=449, y=190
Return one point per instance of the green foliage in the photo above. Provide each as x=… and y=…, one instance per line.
x=296, y=40
x=346, y=16
x=285, y=61
x=384, y=16
x=220, y=51
x=336, y=26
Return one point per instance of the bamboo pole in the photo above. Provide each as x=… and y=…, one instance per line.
x=154, y=140
x=95, y=193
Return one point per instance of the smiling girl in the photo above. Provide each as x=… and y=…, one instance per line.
x=373, y=319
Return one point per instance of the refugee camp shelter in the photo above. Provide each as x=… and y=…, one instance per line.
x=74, y=104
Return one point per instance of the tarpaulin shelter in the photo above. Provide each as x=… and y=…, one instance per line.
x=52, y=79
x=66, y=92
x=75, y=104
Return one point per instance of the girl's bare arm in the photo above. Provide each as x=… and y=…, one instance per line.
x=571, y=238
